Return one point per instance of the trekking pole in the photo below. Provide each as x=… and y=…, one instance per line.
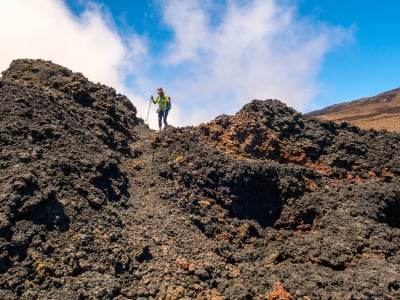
x=147, y=118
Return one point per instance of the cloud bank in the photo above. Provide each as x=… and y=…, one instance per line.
x=255, y=50
x=216, y=58
x=47, y=29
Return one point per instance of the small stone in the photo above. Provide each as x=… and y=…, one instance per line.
x=234, y=273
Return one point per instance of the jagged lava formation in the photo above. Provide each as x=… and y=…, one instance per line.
x=265, y=204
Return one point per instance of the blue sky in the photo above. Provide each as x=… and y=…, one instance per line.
x=367, y=65
x=212, y=57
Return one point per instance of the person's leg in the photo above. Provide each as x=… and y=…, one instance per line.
x=165, y=117
x=160, y=116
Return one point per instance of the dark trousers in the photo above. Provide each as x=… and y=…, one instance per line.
x=162, y=116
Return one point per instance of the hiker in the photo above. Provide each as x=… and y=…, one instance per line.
x=164, y=105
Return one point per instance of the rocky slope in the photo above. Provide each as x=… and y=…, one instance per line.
x=379, y=112
x=265, y=204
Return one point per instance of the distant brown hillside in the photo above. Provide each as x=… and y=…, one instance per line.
x=379, y=112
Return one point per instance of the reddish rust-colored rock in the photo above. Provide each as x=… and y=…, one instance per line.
x=264, y=203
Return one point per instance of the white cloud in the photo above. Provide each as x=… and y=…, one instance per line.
x=259, y=49
x=46, y=29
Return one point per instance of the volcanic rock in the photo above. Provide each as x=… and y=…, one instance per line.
x=265, y=204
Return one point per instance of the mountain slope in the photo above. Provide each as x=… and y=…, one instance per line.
x=265, y=204
x=379, y=112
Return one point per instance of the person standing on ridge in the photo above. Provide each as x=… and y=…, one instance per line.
x=164, y=105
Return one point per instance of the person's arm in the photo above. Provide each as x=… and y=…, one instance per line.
x=152, y=99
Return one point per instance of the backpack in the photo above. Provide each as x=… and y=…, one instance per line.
x=168, y=102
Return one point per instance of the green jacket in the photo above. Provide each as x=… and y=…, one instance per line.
x=164, y=102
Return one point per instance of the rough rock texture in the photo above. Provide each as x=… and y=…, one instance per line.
x=265, y=204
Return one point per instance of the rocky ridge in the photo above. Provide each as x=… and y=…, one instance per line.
x=381, y=112
x=265, y=204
